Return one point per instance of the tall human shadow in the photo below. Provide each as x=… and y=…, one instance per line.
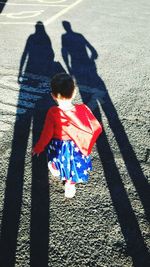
x=79, y=57
x=38, y=54
x=2, y=5
x=33, y=102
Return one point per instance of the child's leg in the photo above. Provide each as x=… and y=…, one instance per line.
x=53, y=169
x=70, y=189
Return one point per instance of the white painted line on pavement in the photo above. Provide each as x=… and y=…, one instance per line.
x=11, y=84
x=12, y=109
x=36, y=13
x=42, y=4
x=25, y=98
x=23, y=14
x=51, y=1
x=62, y=12
x=12, y=98
x=17, y=23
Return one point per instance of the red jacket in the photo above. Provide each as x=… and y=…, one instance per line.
x=78, y=124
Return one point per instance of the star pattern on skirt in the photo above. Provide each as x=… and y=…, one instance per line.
x=68, y=166
x=63, y=158
x=72, y=158
x=68, y=159
x=72, y=173
x=79, y=165
x=85, y=172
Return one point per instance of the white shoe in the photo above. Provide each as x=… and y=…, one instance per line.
x=53, y=171
x=70, y=190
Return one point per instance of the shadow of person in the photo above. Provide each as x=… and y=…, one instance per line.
x=38, y=53
x=33, y=102
x=75, y=49
x=2, y=5
x=79, y=57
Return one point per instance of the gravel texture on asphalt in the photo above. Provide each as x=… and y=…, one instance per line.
x=107, y=223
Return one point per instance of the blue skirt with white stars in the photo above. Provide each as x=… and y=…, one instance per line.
x=69, y=161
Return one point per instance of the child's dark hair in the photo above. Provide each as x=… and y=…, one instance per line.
x=63, y=84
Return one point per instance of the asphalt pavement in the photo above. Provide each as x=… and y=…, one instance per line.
x=105, y=46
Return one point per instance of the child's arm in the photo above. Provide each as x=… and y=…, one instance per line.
x=45, y=136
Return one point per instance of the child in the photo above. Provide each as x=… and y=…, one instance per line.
x=69, y=133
